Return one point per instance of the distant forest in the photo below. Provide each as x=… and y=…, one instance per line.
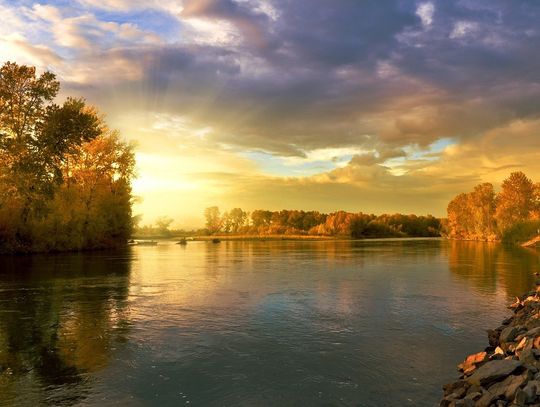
x=65, y=177
x=512, y=215
x=307, y=223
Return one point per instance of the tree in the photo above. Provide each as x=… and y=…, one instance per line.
x=65, y=178
x=535, y=213
x=515, y=201
x=162, y=225
x=482, y=208
x=23, y=101
x=213, y=219
x=261, y=218
x=459, y=217
x=237, y=218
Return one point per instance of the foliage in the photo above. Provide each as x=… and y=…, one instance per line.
x=521, y=231
x=484, y=215
x=65, y=178
x=340, y=223
x=213, y=219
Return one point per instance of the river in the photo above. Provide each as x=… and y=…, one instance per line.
x=363, y=323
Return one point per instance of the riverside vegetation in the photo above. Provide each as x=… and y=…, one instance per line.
x=65, y=177
x=300, y=224
x=512, y=215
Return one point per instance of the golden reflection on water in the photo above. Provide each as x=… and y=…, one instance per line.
x=64, y=320
x=507, y=271
x=61, y=318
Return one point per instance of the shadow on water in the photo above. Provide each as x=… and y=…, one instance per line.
x=492, y=267
x=61, y=317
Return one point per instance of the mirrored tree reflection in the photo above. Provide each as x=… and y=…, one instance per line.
x=490, y=267
x=61, y=319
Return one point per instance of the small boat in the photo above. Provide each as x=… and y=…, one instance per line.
x=182, y=242
x=216, y=240
x=147, y=243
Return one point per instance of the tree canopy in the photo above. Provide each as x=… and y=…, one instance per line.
x=65, y=177
x=340, y=223
x=484, y=215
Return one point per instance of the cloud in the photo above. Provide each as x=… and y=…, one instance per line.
x=251, y=23
x=340, y=96
x=425, y=11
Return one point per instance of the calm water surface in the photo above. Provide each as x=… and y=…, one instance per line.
x=369, y=323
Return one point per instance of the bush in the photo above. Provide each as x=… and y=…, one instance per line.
x=521, y=232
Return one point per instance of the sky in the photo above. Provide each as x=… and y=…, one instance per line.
x=378, y=106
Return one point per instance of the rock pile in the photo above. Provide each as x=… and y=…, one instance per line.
x=507, y=373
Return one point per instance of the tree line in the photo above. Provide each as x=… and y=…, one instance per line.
x=511, y=215
x=340, y=223
x=65, y=177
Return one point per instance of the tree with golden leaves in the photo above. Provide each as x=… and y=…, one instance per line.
x=515, y=202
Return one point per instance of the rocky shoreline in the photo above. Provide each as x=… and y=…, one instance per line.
x=507, y=372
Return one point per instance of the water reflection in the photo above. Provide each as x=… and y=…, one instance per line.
x=494, y=268
x=251, y=323
x=61, y=317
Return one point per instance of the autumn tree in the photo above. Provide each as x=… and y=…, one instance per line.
x=238, y=218
x=64, y=176
x=213, y=219
x=515, y=201
x=482, y=211
x=162, y=225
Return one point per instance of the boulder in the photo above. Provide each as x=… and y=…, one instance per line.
x=508, y=334
x=465, y=403
x=493, y=371
x=533, y=332
x=470, y=364
x=527, y=356
x=509, y=386
x=486, y=400
x=493, y=337
x=526, y=395
x=455, y=386
x=473, y=396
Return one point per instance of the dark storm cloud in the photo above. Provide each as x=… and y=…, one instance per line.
x=319, y=74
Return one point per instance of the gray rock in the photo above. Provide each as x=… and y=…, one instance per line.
x=508, y=334
x=474, y=389
x=463, y=403
x=485, y=400
x=515, y=384
x=521, y=397
x=508, y=386
x=526, y=395
x=452, y=387
x=536, y=384
x=527, y=356
x=533, y=332
x=493, y=371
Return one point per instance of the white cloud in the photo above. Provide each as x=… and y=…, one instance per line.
x=426, y=11
x=15, y=47
x=463, y=28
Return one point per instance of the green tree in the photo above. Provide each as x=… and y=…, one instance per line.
x=23, y=100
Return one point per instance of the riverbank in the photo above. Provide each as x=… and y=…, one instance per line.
x=507, y=372
x=265, y=237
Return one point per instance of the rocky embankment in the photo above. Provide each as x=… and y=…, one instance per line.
x=507, y=373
